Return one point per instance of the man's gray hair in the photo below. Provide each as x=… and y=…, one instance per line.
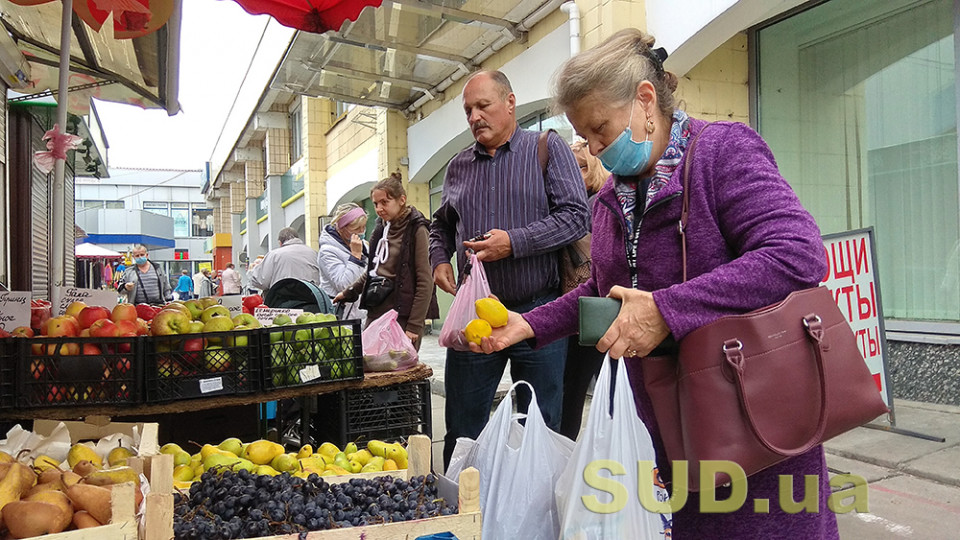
x=285, y=234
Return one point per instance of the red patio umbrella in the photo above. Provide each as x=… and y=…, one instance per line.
x=315, y=16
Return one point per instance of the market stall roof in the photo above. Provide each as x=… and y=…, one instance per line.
x=93, y=251
x=141, y=71
x=405, y=52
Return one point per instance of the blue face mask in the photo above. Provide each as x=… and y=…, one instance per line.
x=361, y=235
x=140, y=260
x=624, y=156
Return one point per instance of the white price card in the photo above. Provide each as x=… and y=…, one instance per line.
x=233, y=303
x=14, y=309
x=309, y=373
x=266, y=315
x=64, y=296
x=214, y=384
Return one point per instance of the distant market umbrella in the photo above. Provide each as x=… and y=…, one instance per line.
x=316, y=16
x=131, y=18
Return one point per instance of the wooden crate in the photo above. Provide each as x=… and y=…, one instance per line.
x=94, y=428
x=465, y=525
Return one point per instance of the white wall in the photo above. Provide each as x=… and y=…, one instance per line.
x=360, y=167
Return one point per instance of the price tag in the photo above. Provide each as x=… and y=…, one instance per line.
x=214, y=384
x=309, y=373
x=14, y=309
x=233, y=303
x=266, y=315
x=64, y=296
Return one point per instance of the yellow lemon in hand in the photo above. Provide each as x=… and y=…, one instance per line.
x=477, y=329
x=492, y=311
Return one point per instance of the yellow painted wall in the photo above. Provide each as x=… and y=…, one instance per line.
x=717, y=88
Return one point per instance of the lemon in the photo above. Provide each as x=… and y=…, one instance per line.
x=477, y=329
x=492, y=311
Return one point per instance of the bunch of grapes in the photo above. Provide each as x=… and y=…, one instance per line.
x=226, y=505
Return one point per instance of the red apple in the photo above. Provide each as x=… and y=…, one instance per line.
x=22, y=331
x=168, y=367
x=145, y=311
x=104, y=328
x=169, y=322
x=143, y=327
x=124, y=365
x=91, y=314
x=252, y=301
x=62, y=326
x=37, y=367
x=124, y=312
x=89, y=349
x=63, y=349
x=127, y=326
x=191, y=348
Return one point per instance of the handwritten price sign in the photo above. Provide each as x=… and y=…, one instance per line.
x=64, y=296
x=14, y=309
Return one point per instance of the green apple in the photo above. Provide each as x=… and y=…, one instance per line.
x=208, y=301
x=213, y=312
x=246, y=319
x=305, y=318
x=195, y=327
x=195, y=308
x=216, y=359
x=169, y=322
x=276, y=337
x=240, y=338
x=282, y=319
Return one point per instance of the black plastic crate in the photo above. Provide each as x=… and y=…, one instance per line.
x=299, y=354
x=54, y=372
x=8, y=370
x=387, y=413
x=206, y=364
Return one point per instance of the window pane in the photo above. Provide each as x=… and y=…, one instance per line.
x=157, y=208
x=181, y=222
x=115, y=204
x=857, y=100
x=202, y=221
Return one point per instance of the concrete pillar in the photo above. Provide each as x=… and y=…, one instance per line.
x=253, y=231
x=318, y=117
x=275, y=211
x=392, y=156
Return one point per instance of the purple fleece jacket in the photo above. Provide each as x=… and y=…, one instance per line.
x=749, y=243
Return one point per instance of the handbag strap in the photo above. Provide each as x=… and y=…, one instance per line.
x=685, y=210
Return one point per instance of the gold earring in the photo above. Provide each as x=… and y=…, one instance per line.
x=650, y=126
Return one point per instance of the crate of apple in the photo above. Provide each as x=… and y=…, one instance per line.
x=196, y=349
x=314, y=348
x=89, y=355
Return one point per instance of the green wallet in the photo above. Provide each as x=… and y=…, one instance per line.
x=596, y=316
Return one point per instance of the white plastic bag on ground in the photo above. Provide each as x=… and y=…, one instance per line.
x=519, y=466
x=618, y=440
x=463, y=310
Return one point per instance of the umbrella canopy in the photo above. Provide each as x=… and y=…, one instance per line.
x=315, y=16
x=93, y=251
x=131, y=18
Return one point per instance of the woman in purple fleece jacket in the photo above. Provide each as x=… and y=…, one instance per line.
x=749, y=244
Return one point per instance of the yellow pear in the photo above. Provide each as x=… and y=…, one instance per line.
x=232, y=444
x=266, y=470
x=209, y=449
x=183, y=473
x=116, y=475
x=350, y=448
x=305, y=451
x=43, y=463
x=118, y=456
x=5, y=457
x=363, y=456
x=181, y=458
x=377, y=448
x=80, y=452
x=170, y=448
x=328, y=450
x=285, y=463
x=355, y=466
x=389, y=465
x=263, y=451
x=398, y=454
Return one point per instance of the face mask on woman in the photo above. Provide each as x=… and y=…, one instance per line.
x=624, y=156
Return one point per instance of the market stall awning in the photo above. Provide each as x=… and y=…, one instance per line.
x=405, y=52
x=93, y=251
x=141, y=71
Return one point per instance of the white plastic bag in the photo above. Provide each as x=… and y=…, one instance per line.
x=463, y=310
x=519, y=466
x=386, y=346
x=623, y=439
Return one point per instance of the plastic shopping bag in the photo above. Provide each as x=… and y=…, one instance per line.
x=386, y=346
x=519, y=466
x=473, y=287
x=620, y=440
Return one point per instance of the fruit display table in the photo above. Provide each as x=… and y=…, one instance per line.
x=418, y=372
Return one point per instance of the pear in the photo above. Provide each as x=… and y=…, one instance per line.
x=21, y=473
x=93, y=499
x=5, y=457
x=170, y=448
x=305, y=451
x=118, y=456
x=398, y=454
x=336, y=469
x=117, y=475
x=355, y=466
x=340, y=460
x=183, y=473
x=263, y=451
x=350, y=448
x=69, y=478
x=60, y=500
x=389, y=465
x=233, y=445
x=80, y=452
x=377, y=448
x=26, y=519
x=43, y=463
x=181, y=458
x=363, y=456
x=84, y=467
x=12, y=485
x=285, y=463
x=328, y=450
x=83, y=520
x=265, y=470
x=214, y=461
x=209, y=449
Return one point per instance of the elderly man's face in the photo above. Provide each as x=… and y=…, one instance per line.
x=490, y=115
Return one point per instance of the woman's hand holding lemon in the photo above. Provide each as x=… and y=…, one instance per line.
x=496, y=328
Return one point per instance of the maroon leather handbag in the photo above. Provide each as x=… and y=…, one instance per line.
x=760, y=387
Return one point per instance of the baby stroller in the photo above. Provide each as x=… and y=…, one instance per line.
x=293, y=293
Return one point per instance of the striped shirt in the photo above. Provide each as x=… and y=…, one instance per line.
x=508, y=191
x=148, y=286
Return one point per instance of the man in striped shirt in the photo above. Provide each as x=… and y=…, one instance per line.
x=497, y=188
x=143, y=282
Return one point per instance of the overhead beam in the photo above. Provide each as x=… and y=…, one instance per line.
x=458, y=15
x=247, y=153
x=270, y=120
x=381, y=45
